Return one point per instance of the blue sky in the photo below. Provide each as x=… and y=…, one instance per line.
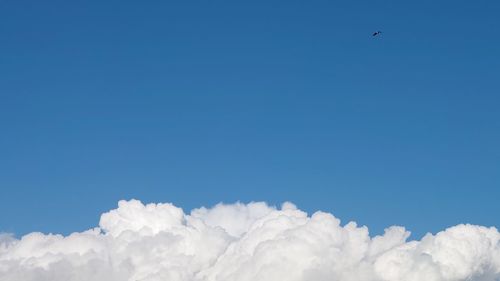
x=197, y=102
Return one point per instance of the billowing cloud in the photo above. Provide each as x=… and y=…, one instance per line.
x=246, y=242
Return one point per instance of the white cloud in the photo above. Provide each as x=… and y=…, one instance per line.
x=246, y=242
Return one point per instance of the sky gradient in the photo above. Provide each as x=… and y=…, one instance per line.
x=201, y=102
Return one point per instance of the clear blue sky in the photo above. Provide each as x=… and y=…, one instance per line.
x=196, y=102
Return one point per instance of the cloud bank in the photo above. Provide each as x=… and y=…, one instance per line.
x=246, y=242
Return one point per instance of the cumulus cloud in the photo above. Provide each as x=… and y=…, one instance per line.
x=246, y=242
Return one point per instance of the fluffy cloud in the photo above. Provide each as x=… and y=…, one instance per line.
x=246, y=242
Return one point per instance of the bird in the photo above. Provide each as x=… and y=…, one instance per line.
x=376, y=33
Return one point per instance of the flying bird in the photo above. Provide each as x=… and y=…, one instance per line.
x=376, y=33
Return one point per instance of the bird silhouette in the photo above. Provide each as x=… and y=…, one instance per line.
x=376, y=33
